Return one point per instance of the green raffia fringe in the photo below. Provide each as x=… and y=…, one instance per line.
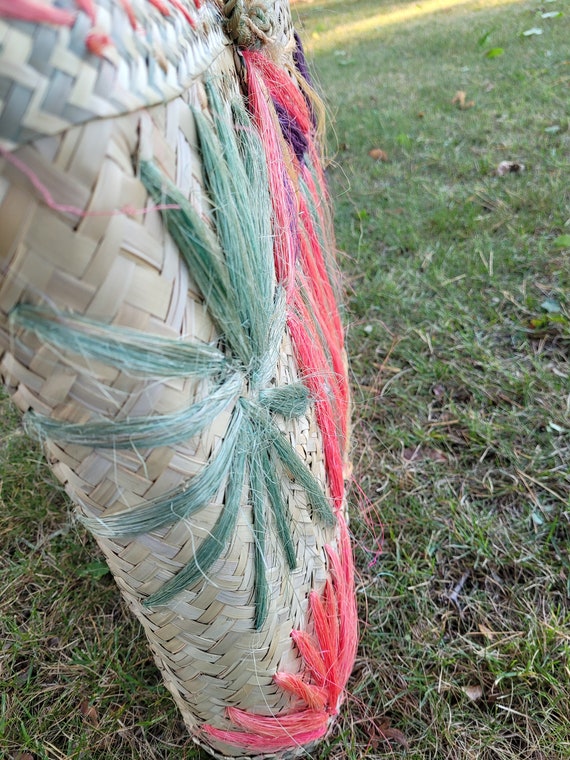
x=130, y=351
x=233, y=269
x=141, y=432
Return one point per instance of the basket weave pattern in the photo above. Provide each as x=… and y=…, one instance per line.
x=81, y=236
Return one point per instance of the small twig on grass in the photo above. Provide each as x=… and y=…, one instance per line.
x=524, y=476
x=454, y=595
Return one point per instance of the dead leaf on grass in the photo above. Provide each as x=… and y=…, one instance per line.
x=472, y=693
x=460, y=100
x=89, y=712
x=509, y=167
x=378, y=154
x=487, y=632
x=419, y=454
x=384, y=732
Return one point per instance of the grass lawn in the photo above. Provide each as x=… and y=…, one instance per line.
x=457, y=305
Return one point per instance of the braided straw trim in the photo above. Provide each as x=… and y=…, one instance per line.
x=124, y=269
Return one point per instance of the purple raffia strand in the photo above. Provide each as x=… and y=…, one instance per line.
x=303, y=69
x=301, y=61
x=292, y=132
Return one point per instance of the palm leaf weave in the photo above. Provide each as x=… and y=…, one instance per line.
x=169, y=329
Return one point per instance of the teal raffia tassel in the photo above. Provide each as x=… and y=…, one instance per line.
x=131, y=351
x=231, y=263
x=212, y=547
x=177, y=504
x=141, y=432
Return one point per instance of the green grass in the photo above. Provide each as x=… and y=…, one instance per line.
x=461, y=421
x=461, y=374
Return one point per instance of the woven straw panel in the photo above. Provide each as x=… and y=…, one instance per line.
x=123, y=268
x=48, y=83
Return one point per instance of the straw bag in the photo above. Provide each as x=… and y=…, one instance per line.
x=169, y=329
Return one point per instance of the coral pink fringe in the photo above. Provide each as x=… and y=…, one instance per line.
x=256, y=743
x=97, y=43
x=31, y=10
x=328, y=656
x=314, y=321
x=315, y=697
x=128, y=8
x=281, y=188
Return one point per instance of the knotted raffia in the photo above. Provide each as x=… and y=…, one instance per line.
x=248, y=24
x=180, y=430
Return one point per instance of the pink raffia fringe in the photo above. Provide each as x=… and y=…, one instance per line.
x=328, y=656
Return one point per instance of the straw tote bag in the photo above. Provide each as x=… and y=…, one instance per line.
x=169, y=330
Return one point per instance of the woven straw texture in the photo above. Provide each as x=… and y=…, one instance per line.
x=81, y=235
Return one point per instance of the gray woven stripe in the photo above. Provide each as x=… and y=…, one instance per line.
x=61, y=84
x=14, y=110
